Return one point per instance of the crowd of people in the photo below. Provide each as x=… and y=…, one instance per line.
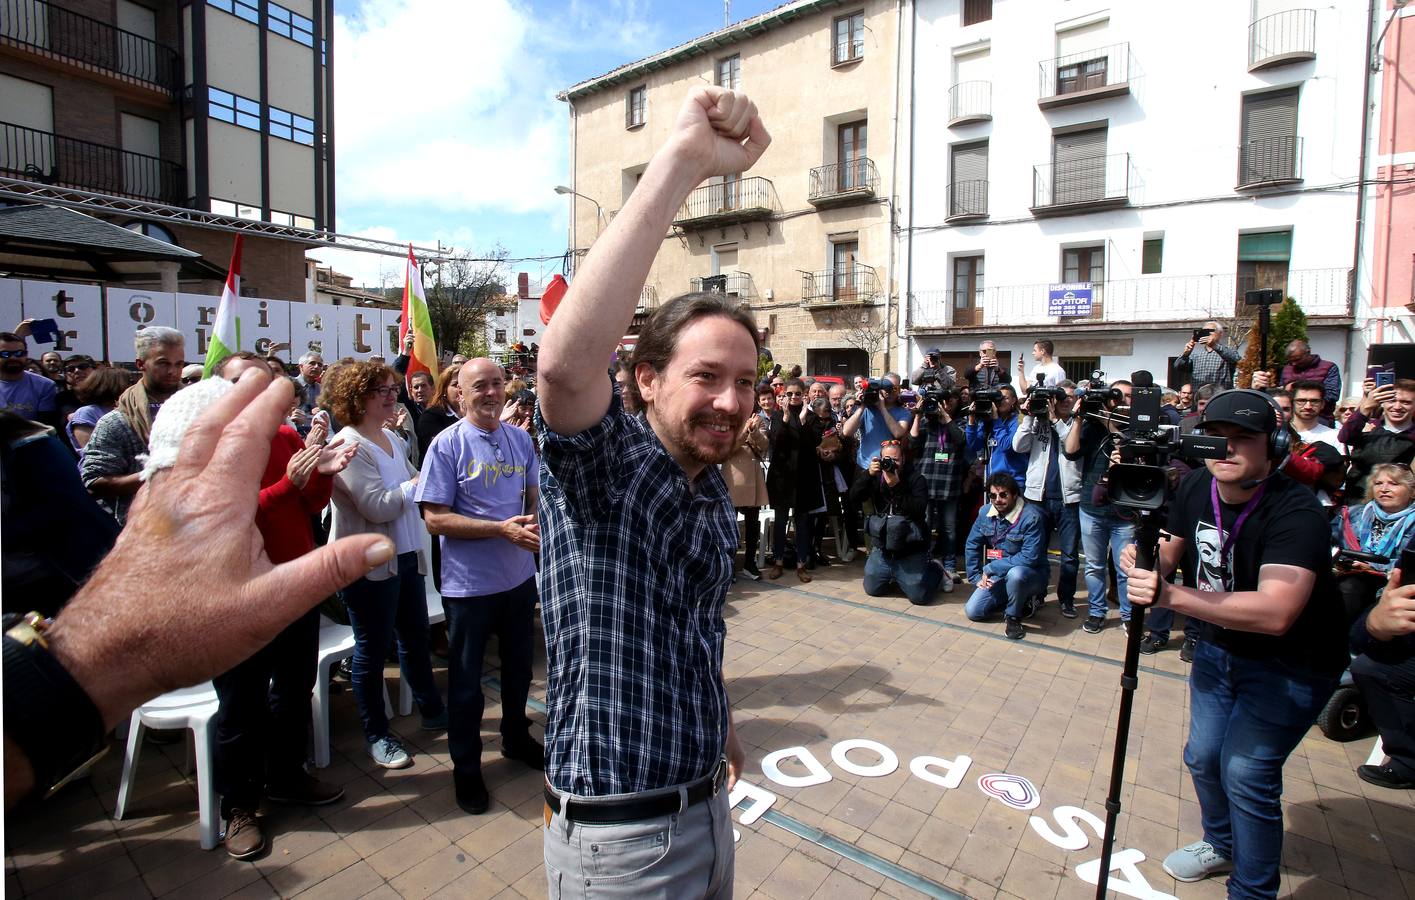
x=546, y=497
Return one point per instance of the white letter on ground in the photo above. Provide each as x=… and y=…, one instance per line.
x=771, y=769
x=956, y=769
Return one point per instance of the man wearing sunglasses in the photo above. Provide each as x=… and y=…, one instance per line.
x=22, y=392
x=1006, y=556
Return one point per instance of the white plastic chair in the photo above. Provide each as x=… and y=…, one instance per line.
x=1378, y=754
x=435, y=614
x=336, y=643
x=194, y=709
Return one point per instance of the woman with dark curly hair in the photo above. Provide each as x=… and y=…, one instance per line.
x=375, y=495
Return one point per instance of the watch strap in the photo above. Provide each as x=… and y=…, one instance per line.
x=46, y=712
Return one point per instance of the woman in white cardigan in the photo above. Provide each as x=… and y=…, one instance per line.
x=375, y=495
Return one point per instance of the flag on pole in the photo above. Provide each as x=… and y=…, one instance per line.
x=226, y=334
x=417, y=319
x=551, y=296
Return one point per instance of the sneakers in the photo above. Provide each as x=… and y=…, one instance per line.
x=1186, y=650
x=1014, y=630
x=848, y=556
x=1093, y=624
x=945, y=580
x=752, y=571
x=1030, y=608
x=527, y=750
x=1068, y=608
x=471, y=791
x=1196, y=862
x=304, y=789
x=1386, y=777
x=389, y=753
x=243, y=838
x=1153, y=642
x=437, y=722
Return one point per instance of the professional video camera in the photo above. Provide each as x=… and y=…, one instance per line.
x=1140, y=480
x=870, y=395
x=1039, y=398
x=931, y=399
x=1099, y=395
x=985, y=403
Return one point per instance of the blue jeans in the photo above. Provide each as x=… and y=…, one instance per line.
x=470, y=620
x=943, y=517
x=381, y=611
x=1011, y=592
x=803, y=535
x=1104, y=532
x=915, y=575
x=1246, y=717
x=1064, y=521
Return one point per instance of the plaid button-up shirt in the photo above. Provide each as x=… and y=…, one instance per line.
x=636, y=563
x=935, y=440
x=1207, y=366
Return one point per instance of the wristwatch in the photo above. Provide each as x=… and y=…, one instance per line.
x=46, y=712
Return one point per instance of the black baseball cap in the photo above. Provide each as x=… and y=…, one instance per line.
x=1247, y=409
x=935, y=351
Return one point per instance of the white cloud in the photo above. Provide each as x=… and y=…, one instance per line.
x=446, y=104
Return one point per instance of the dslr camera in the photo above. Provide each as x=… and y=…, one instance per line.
x=870, y=395
x=1201, y=333
x=888, y=464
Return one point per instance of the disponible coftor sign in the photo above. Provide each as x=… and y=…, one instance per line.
x=1070, y=299
x=101, y=322
x=798, y=767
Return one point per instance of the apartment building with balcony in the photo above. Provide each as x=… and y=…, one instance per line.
x=803, y=239
x=1155, y=162
x=147, y=110
x=1390, y=235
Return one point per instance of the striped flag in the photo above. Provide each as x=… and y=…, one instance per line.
x=417, y=319
x=226, y=334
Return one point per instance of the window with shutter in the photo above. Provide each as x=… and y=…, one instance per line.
x=975, y=11
x=1078, y=166
x=968, y=180
x=1270, y=144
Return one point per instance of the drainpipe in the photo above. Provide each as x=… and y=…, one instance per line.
x=909, y=233
x=1366, y=61
x=890, y=208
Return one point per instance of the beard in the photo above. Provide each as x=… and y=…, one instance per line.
x=11, y=367
x=684, y=435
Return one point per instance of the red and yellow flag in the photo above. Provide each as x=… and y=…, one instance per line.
x=417, y=319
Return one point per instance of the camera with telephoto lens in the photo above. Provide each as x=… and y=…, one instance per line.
x=1201, y=333
x=931, y=400
x=870, y=395
x=888, y=464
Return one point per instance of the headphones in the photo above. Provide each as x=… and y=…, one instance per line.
x=1279, y=440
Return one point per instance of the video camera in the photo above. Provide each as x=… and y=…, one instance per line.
x=984, y=404
x=931, y=399
x=1140, y=481
x=870, y=395
x=1039, y=398
x=1098, y=395
x=1201, y=333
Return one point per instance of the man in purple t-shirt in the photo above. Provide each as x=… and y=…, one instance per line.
x=25, y=393
x=478, y=496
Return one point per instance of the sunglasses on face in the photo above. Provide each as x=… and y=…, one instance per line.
x=13, y=354
x=78, y=367
x=794, y=394
x=1000, y=495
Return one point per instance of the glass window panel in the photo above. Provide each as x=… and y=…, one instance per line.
x=246, y=105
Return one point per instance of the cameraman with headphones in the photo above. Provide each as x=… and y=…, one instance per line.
x=1257, y=574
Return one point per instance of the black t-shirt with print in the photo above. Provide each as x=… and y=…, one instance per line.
x=1287, y=528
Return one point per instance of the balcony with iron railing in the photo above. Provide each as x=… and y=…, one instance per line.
x=857, y=283
x=648, y=300
x=1270, y=162
x=1128, y=301
x=1082, y=185
x=47, y=158
x=967, y=201
x=1282, y=38
x=56, y=33
x=839, y=184
x=969, y=102
x=728, y=202
x=732, y=284
x=1088, y=75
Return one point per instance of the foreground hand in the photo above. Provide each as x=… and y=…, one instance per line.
x=301, y=465
x=1262, y=380
x=188, y=592
x=523, y=532
x=1143, y=586
x=318, y=434
x=1394, y=614
x=335, y=457
x=720, y=131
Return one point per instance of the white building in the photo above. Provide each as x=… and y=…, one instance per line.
x=515, y=317
x=1171, y=156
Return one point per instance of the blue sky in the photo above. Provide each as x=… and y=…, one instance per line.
x=447, y=126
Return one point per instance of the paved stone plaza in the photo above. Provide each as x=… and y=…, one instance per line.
x=808, y=666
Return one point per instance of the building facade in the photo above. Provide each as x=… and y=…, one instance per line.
x=223, y=107
x=804, y=238
x=1156, y=167
x=1390, y=219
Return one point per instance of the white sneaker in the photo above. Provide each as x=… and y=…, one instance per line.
x=947, y=583
x=389, y=753
x=1196, y=862
x=848, y=555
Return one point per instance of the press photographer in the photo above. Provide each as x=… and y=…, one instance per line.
x=992, y=423
x=1103, y=533
x=1053, y=481
x=878, y=418
x=987, y=373
x=1273, y=642
x=897, y=528
x=1206, y=359
x=933, y=371
x=939, y=445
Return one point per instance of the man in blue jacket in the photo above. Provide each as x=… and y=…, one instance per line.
x=1006, y=556
x=990, y=436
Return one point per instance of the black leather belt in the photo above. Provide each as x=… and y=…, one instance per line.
x=636, y=810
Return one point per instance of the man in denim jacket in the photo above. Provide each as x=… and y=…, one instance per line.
x=1006, y=556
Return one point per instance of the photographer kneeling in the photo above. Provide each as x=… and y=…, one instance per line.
x=1006, y=556
x=899, y=535
x=1272, y=645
